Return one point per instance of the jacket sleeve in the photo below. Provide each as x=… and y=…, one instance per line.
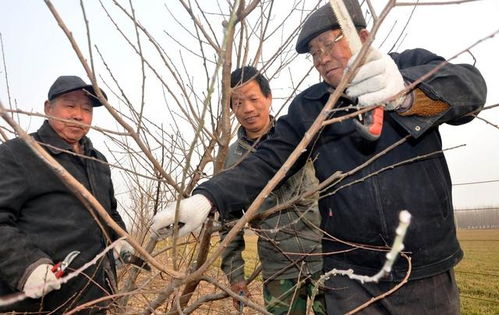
x=233, y=190
x=232, y=259
x=19, y=255
x=114, y=212
x=461, y=86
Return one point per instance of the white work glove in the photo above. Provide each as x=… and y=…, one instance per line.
x=376, y=80
x=40, y=282
x=192, y=213
x=120, y=251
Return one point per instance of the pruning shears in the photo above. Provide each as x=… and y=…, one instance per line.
x=59, y=268
x=370, y=124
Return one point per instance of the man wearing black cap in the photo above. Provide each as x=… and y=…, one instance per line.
x=41, y=221
x=360, y=212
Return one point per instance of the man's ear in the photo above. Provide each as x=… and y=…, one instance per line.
x=46, y=107
x=363, y=34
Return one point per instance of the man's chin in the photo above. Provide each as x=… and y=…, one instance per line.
x=74, y=138
x=249, y=126
x=331, y=80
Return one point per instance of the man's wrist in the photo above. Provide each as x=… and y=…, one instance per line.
x=406, y=103
x=213, y=207
x=30, y=269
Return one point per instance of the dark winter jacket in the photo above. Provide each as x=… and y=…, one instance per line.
x=41, y=221
x=363, y=208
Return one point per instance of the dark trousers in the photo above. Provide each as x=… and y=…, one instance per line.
x=434, y=295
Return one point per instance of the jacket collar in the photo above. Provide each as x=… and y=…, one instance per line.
x=321, y=90
x=49, y=136
x=241, y=132
x=318, y=91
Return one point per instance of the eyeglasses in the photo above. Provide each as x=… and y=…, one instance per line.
x=318, y=53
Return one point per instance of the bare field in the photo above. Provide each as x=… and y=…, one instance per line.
x=478, y=273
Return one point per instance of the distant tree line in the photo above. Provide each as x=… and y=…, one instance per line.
x=481, y=218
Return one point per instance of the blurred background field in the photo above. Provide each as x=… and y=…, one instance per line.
x=478, y=273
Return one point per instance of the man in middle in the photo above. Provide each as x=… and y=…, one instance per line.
x=289, y=241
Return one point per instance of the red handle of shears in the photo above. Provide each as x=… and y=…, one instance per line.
x=57, y=270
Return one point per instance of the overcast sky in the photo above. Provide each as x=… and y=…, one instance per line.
x=37, y=51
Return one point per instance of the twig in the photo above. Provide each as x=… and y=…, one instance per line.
x=87, y=26
x=212, y=42
x=72, y=121
x=236, y=296
x=4, y=136
x=434, y=3
x=479, y=182
x=487, y=122
x=391, y=256
x=439, y=66
x=142, y=66
x=395, y=288
x=6, y=73
x=392, y=166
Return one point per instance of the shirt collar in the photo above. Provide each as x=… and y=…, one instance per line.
x=241, y=132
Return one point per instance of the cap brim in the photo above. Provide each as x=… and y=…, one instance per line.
x=303, y=47
x=93, y=96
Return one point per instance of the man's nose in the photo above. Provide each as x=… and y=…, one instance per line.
x=77, y=113
x=324, y=58
x=247, y=106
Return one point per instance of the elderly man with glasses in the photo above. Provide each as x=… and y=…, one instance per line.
x=360, y=213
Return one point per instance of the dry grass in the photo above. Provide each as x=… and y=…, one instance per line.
x=478, y=274
x=224, y=306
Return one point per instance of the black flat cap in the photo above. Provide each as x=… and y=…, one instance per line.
x=68, y=83
x=324, y=20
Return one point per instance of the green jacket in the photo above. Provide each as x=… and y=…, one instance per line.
x=294, y=230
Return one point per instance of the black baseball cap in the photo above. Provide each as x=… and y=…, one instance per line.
x=324, y=20
x=68, y=83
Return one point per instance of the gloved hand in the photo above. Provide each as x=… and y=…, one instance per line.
x=192, y=213
x=40, y=282
x=376, y=80
x=120, y=251
x=241, y=289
